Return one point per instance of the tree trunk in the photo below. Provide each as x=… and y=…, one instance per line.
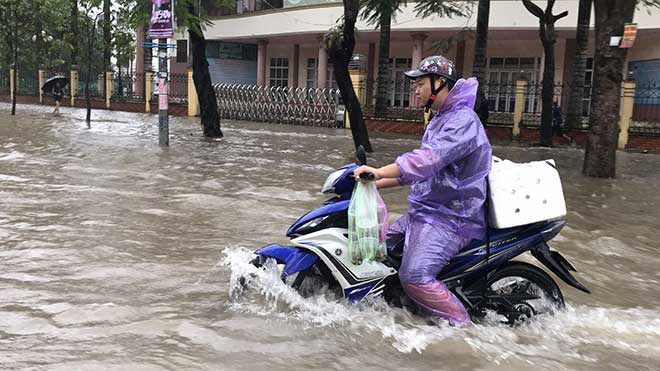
x=383, y=85
x=15, y=52
x=90, y=41
x=120, y=82
x=479, y=65
x=547, y=91
x=548, y=38
x=574, y=112
x=73, y=37
x=107, y=41
x=208, y=104
x=341, y=54
x=600, y=155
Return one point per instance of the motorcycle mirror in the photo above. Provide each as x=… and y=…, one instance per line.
x=361, y=155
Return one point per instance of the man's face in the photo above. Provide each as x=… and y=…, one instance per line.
x=423, y=88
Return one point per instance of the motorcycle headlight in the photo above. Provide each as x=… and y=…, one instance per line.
x=313, y=223
x=329, y=185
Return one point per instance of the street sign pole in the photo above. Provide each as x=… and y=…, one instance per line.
x=163, y=118
x=161, y=27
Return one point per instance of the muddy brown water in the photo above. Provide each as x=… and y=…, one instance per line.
x=116, y=254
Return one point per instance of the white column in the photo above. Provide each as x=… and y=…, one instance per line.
x=417, y=53
x=262, y=53
x=322, y=73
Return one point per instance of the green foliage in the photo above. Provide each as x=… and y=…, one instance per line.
x=124, y=35
x=372, y=9
x=444, y=8
x=335, y=35
x=188, y=14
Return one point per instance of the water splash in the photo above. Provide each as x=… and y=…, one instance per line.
x=569, y=333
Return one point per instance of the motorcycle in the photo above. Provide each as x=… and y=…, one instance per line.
x=483, y=275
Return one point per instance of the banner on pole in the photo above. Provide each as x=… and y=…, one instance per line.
x=629, y=35
x=161, y=25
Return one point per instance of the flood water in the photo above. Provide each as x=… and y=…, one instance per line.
x=116, y=254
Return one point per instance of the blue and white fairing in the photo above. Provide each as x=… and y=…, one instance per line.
x=323, y=234
x=341, y=183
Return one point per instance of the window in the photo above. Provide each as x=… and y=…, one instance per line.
x=279, y=72
x=226, y=50
x=182, y=51
x=400, y=96
x=503, y=72
x=312, y=74
x=212, y=49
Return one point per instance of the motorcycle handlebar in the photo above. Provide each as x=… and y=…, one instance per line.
x=365, y=176
x=368, y=176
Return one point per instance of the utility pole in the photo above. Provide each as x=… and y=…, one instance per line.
x=163, y=119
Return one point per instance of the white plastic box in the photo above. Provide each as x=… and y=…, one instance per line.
x=525, y=193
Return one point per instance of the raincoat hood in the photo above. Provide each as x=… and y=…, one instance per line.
x=463, y=94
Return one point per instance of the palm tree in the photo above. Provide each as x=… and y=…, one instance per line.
x=381, y=12
x=574, y=113
x=207, y=99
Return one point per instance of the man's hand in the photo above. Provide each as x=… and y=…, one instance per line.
x=366, y=169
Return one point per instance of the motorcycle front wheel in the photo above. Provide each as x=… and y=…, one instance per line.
x=315, y=280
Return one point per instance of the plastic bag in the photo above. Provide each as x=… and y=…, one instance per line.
x=367, y=224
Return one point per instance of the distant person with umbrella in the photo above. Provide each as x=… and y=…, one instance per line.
x=55, y=85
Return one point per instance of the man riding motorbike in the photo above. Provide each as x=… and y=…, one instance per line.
x=447, y=175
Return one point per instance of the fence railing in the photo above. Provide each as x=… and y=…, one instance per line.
x=93, y=87
x=128, y=86
x=646, y=109
x=28, y=83
x=318, y=107
x=298, y=106
x=502, y=102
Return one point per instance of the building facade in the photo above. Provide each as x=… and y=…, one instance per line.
x=279, y=43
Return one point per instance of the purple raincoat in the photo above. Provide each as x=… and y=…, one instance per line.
x=448, y=172
x=448, y=178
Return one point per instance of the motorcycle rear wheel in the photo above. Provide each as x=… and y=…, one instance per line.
x=520, y=291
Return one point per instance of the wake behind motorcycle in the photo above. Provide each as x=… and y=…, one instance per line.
x=483, y=275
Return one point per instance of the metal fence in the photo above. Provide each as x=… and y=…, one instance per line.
x=646, y=110
x=178, y=85
x=646, y=107
x=502, y=101
x=93, y=87
x=396, y=113
x=4, y=81
x=28, y=83
x=128, y=87
x=298, y=106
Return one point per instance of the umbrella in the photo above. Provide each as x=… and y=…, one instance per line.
x=48, y=85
